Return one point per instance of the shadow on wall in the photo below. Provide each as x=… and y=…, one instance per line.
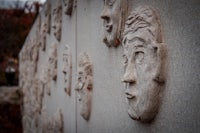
x=10, y=110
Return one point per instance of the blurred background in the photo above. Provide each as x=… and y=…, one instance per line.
x=16, y=19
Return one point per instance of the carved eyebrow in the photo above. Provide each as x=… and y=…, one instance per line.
x=135, y=39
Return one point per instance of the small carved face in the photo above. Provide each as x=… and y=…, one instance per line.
x=35, y=53
x=111, y=17
x=57, y=21
x=43, y=36
x=48, y=17
x=84, y=88
x=142, y=63
x=140, y=60
x=52, y=62
x=67, y=69
x=69, y=6
x=84, y=94
x=66, y=63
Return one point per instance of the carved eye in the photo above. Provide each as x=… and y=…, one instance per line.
x=139, y=56
x=148, y=14
x=125, y=59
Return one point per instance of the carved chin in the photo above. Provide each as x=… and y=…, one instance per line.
x=142, y=112
x=85, y=113
x=110, y=38
x=132, y=114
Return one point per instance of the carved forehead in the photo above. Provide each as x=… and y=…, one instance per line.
x=144, y=10
x=143, y=22
x=141, y=17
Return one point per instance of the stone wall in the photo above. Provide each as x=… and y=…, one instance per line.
x=72, y=63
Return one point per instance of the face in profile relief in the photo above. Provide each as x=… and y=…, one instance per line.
x=143, y=63
x=113, y=17
x=84, y=85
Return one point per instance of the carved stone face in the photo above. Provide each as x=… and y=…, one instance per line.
x=57, y=21
x=143, y=63
x=84, y=85
x=67, y=69
x=111, y=24
x=48, y=17
x=52, y=62
x=69, y=6
x=53, y=124
x=43, y=33
x=35, y=56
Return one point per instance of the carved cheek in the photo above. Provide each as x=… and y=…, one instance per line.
x=116, y=7
x=151, y=60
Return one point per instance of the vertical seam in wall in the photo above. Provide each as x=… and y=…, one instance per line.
x=76, y=64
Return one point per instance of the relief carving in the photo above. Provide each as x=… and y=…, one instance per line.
x=67, y=69
x=48, y=16
x=42, y=36
x=114, y=15
x=69, y=6
x=84, y=84
x=43, y=76
x=52, y=62
x=54, y=124
x=57, y=20
x=144, y=63
x=39, y=22
x=34, y=55
x=52, y=67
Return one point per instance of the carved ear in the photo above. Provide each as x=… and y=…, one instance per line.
x=90, y=83
x=160, y=68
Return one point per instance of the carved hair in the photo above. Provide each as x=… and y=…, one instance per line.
x=144, y=18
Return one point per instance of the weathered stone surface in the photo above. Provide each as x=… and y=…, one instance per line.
x=69, y=6
x=48, y=16
x=53, y=124
x=84, y=85
x=114, y=15
x=57, y=20
x=144, y=61
x=67, y=69
x=179, y=109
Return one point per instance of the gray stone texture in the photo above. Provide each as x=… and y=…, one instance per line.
x=83, y=31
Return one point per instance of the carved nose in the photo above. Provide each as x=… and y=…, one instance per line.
x=104, y=15
x=129, y=77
